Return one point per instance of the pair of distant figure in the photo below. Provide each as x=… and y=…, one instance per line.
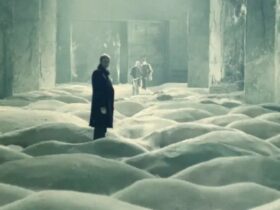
x=102, y=106
x=140, y=73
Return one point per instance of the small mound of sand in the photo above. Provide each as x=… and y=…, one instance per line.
x=275, y=141
x=272, y=107
x=275, y=205
x=224, y=171
x=181, y=115
x=109, y=148
x=14, y=118
x=251, y=111
x=177, y=133
x=138, y=127
x=224, y=120
x=128, y=108
x=176, y=157
x=211, y=108
x=7, y=154
x=51, y=105
x=78, y=172
x=172, y=159
x=171, y=194
x=9, y=194
x=240, y=140
x=71, y=99
x=52, y=131
x=259, y=128
x=273, y=117
x=66, y=200
x=230, y=103
x=70, y=108
x=164, y=97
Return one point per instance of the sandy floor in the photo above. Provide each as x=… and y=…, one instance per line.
x=172, y=148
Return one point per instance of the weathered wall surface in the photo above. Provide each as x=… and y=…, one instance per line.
x=47, y=37
x=26, y=57
x=6, y=74
x=150, y=39
x=277, y=70
x=123, y=10
x=29, y=46
x=171, y=14
x=234, y=31
x=227, y=41
x=63, y=56
x=89, y=40
x=260, y=83
x=216, y=42
x=178, y=49
x=198, y=43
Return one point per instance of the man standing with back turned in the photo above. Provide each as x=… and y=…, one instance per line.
x=102, y=108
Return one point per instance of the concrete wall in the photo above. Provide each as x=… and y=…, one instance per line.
x=277, y=70
x=227, y=41
x=29, y=46
x=198, y=43
x=47, y=37
x=123, y=10
x=216, y=60
x=26, y=44
x=234, y=32
x=171, y=13
x=89, y=40
x=261, y=48
x=63, y=56
x=178, y=51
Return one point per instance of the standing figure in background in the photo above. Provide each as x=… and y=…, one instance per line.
x=146, y=73
x=136, y=78
x=102, y=108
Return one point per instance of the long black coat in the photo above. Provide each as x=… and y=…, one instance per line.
x=103, y=96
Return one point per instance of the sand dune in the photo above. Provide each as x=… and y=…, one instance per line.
x=63, y=200
x=64, y=132
x=224, y=171
x=7, y=154
x=14, y=118
x=171, y=159
x=270, y=206
x=79, y=172
x=186, y=134
x=179, y=195
x=109, y=148
x=177, y=133
x=9, y=194
x=259, y=128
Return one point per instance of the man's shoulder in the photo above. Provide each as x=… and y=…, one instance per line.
x=97, y=72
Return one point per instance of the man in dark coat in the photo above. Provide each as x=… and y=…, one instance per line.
x=102, y=109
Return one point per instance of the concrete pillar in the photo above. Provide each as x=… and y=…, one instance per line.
x=216, y=42
x=198, y=43
x=262, y=48
x=6, y=71
x=234, y=33
x=227, y=44
x=277, y=70
x=33, y=44
x=63, y=59
x=47, y=38
x=124, y=53
x=26, y=45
